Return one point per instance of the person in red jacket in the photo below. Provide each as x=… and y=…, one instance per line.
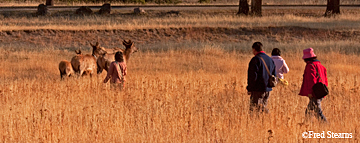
x=310, y=77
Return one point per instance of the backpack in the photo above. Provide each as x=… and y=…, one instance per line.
x=320, y=89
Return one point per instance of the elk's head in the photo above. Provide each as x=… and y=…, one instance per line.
x=129, y=47
x=97, y=50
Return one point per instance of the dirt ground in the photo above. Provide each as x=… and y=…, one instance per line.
x=220, y=34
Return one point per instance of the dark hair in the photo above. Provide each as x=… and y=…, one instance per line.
x=276, y=52
x=310, y=59
x=257, y=46
x=119, y=56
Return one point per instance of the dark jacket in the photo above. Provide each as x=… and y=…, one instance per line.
x=258, y=77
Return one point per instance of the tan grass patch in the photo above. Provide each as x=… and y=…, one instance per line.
x=188, y=95
x=346, y=21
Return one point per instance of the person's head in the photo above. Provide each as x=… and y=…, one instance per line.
x=276, y=52
x=119, y=56
x=257, y=47
x=309, y=54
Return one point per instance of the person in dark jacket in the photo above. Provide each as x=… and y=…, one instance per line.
x=258, y=77
x=312, y=71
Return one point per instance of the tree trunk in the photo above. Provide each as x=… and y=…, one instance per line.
x=49, y=2
x=333, y=7
x=256, y=7
x=243, y=7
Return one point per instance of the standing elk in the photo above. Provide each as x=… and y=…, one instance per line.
x=87, y=63
x=65, y=69
x=104, y=61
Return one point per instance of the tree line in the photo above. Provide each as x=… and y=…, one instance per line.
x=332, y=8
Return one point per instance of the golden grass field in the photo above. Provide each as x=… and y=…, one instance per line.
x=177, y=90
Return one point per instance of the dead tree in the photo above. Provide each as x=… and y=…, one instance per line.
x=243, y=7
x=49, y=3
x=256, y=7
x=332, y=8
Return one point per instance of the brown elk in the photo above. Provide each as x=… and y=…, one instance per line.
x=104, y=61
x=65, y=69
x=87, y=63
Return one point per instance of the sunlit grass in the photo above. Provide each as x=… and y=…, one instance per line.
x=180, y=94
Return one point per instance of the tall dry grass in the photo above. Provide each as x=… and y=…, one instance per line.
x=173, y=94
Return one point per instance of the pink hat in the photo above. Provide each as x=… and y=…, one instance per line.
x=308, y=53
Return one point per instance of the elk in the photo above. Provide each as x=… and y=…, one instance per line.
x=65, y=69
x=104, y=61
x=87, y=63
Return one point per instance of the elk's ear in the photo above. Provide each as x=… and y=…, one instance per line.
x=124, y=42
x=121, y=50
x=92, y=45
x=78, y=52
x=130, y=42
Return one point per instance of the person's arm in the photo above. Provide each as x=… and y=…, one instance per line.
x=274, y=72
x=285, y=68
x=325, y=78
x=252, y=74
x=110, y=72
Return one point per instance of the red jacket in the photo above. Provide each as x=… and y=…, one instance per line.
x=310, y=77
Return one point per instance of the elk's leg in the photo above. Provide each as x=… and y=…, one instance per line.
x=99, y=69
x=90, y=73
x=107, y=66
x=81, y=73
x=68, y=74
x=61, y=75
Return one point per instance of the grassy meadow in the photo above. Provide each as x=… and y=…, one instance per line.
x=185, y=91
x=66, y=20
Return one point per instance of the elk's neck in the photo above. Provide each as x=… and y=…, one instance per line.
x=95, y=56
x=126, y=55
